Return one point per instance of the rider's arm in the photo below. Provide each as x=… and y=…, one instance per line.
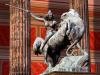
x=37, y=18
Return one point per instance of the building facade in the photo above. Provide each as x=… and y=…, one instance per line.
x=40, y=8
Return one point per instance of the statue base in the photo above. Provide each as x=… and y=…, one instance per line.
x=70, y=64
x=71, y=73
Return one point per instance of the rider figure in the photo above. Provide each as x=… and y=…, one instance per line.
x=50, y=24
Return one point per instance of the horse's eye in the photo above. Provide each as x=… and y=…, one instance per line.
x=64, y=14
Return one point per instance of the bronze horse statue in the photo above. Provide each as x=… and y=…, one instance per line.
x=70, y=33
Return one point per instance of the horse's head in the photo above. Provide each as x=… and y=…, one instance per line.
x=64, y=16
x=73, y=13
x=70, y=13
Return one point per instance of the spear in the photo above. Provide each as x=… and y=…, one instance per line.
x=28, y=11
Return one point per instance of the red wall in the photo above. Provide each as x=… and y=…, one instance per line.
x=37, y=68
x=5, y=67
x=4, y=35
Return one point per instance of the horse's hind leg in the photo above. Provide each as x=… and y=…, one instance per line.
x=55, y=60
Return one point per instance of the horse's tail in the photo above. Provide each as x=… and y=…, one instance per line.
x=74, y=43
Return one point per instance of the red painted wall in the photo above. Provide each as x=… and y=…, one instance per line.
x=4, y=35
x=5, y=67
x=37, y=68
x=94, y=40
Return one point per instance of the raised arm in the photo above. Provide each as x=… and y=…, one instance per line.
x=36, y=17
x=28, y=11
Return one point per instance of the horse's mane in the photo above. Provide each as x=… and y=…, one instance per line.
x=70, y=13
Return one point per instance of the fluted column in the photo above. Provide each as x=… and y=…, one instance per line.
x=19, y=38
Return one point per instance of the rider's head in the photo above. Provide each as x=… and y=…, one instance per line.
x=49, y=16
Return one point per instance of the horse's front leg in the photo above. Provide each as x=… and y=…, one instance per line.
x=46, y=56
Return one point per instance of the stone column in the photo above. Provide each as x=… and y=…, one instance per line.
x=20, y=56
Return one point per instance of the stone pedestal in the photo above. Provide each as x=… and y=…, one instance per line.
x=70, y=73
x=70, y=64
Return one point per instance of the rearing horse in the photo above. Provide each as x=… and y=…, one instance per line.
x=71, y=27
x=54, y=45
x=76, y=27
